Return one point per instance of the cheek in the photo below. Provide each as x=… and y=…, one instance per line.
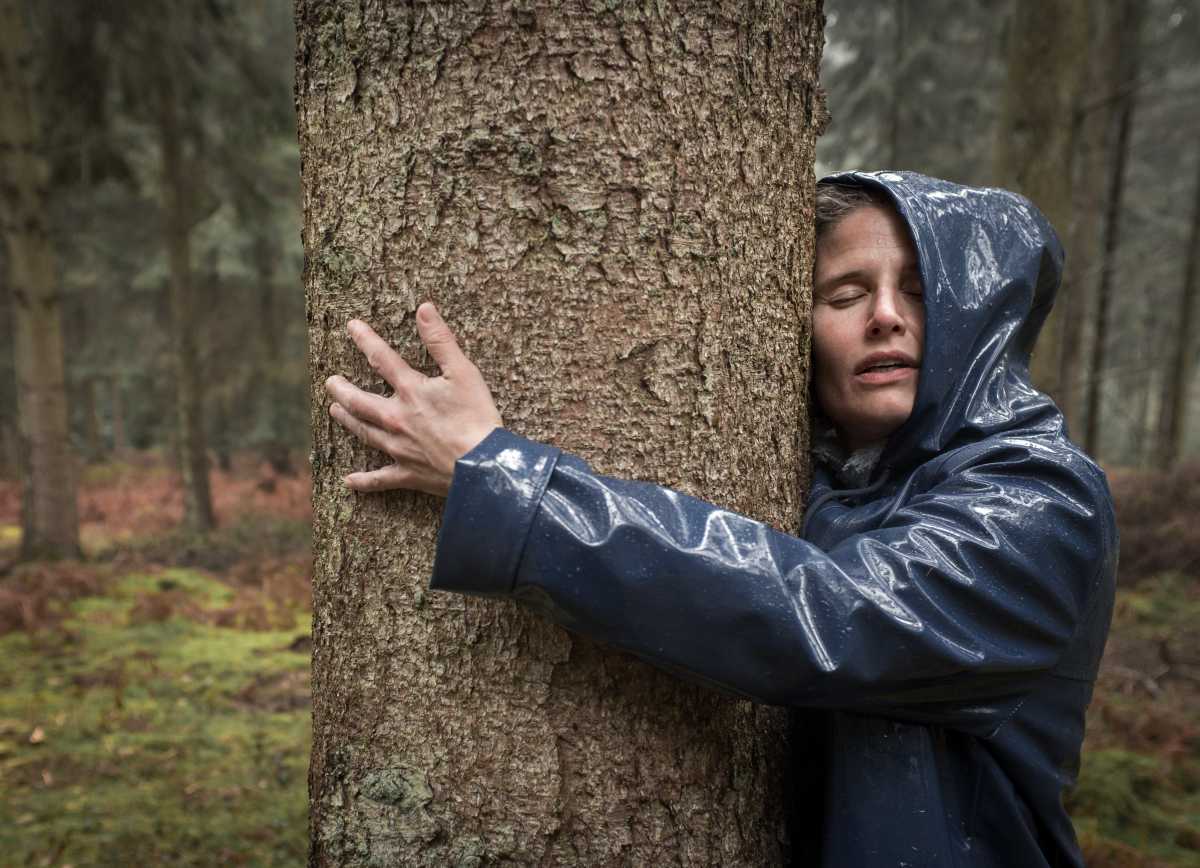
x=828, y=351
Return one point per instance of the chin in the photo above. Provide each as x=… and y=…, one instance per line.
x=879, y=423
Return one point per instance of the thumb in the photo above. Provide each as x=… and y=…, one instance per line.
x=438, y=338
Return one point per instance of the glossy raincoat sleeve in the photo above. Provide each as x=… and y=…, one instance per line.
x=962, y=595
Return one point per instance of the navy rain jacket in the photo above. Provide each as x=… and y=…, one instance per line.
x=939, y=630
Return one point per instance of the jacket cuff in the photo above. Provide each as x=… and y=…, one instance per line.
x=494, y=496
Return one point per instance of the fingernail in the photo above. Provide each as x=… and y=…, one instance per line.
x=425, y=312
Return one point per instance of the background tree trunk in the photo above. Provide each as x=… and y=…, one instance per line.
x=1047, y=59
x=613, y=208
x=274, y=447
x=191, y=446
x=50, y=517
x=116, y=400
x=1128, y=34
x=1178, y=376
x=1094, y=119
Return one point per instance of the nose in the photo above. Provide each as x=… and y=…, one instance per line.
x=885, y=314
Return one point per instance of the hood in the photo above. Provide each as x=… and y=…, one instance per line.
x=991, y=265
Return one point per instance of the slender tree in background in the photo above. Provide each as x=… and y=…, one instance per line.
x=1047, y=59
x=1094, y=118
x=899, y=90
x=613, y=206
x=49, y=517
x=178, y=190
x=1177, y=382
x=1129, y=59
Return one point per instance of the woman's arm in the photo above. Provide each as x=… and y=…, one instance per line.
x=952, y=607
x=947, y=612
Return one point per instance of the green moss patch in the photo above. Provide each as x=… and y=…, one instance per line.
x=145, y=727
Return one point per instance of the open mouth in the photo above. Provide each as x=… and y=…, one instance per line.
x=885, y=366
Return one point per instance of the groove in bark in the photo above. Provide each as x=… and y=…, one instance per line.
x=612, y=204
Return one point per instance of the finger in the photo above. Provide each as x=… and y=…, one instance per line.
x=375, y=409
x=364, y=431
x=383, y=479
x=438, y=339
x=382, y=358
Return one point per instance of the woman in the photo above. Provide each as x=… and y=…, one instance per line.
x=942, y=616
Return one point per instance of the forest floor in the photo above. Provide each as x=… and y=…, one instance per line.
x=154, y=698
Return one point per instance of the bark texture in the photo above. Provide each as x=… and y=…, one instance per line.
x=612, y=205
x=49, y=514
x=1047, y=60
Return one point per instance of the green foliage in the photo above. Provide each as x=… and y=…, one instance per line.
x=140, y=732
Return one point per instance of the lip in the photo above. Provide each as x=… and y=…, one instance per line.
x=892, y=375
x=882, y=357
x=881, y=378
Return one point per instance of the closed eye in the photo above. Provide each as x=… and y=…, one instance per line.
x=844, y=299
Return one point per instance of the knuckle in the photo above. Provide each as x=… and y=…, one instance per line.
x=394, y=420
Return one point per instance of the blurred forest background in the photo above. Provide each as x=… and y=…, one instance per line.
x=154, y=598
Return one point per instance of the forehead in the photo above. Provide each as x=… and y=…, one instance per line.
x=869, y=233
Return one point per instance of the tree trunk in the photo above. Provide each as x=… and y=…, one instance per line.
x=189, y=421
x=1047, y=58
x=613, y=207
x=1129, y=31
x=1178, y=377
x=117, y=405
x=275, y=449
x=93, y=442
x=50, y=516
x=1094, y=119
x=10, y=461
x=899, y=91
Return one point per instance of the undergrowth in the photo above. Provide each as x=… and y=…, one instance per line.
x=1137, y=804
x=154, y=699
x=149, y=727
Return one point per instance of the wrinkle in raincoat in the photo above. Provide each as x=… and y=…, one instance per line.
x=938, y=631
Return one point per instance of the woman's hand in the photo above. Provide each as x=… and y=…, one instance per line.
x=428, y=423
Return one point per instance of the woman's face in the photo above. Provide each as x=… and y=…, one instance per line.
x=868, y=325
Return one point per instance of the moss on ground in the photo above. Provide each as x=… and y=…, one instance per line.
x=138, y=731
x=1137, y=804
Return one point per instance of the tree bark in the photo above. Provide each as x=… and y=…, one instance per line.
x=1047, y=58
x=50, y=517
x=613, y=207
x=1178, y=376
x=192, y=450
x=1129, y=31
